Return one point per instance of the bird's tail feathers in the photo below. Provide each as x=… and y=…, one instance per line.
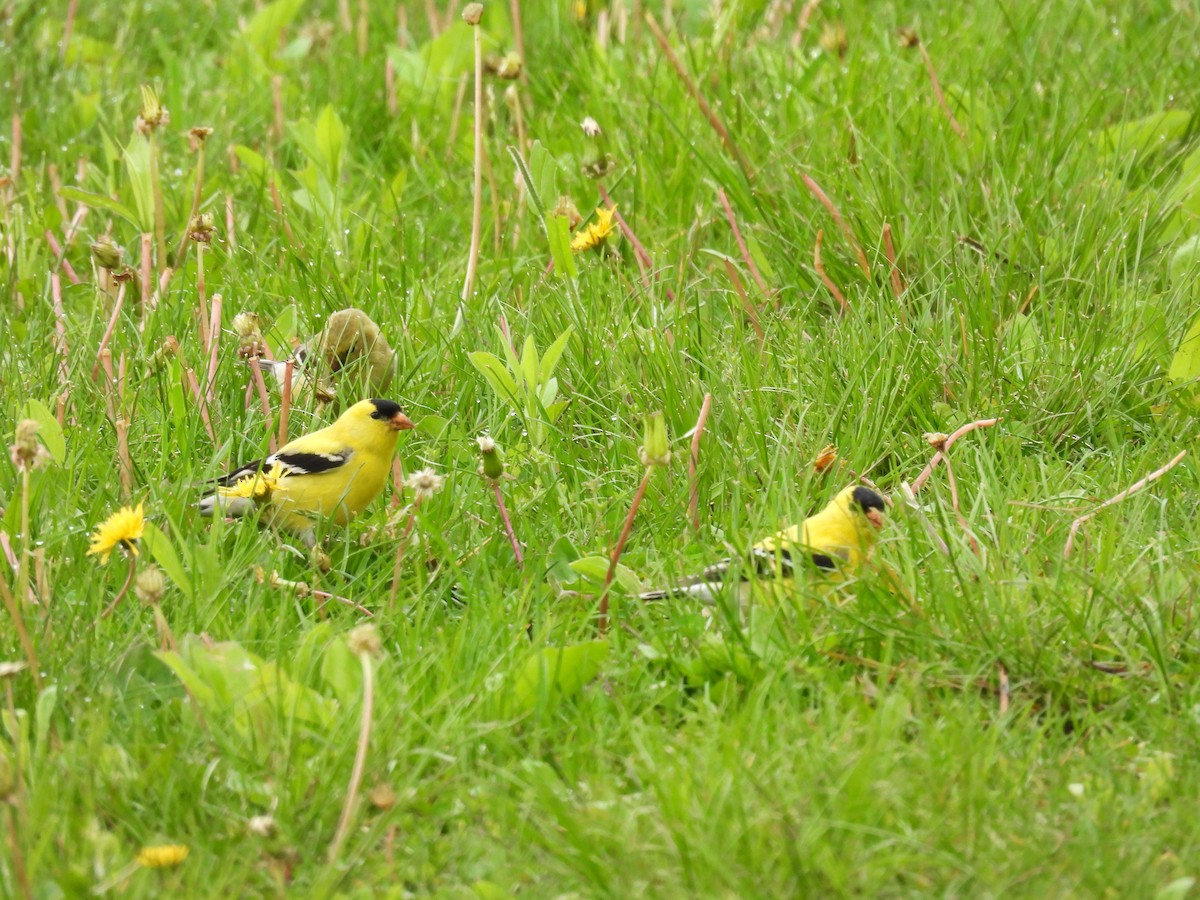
x=233, y=507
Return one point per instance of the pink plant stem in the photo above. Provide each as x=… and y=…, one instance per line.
x=112, y=324
x=110, y=384
x=190, y=380
x=890, y=252
x=737, y=236
x=285, y=401
x=394, y=592
x=694, y=462
x=512, y=536
x=14, y=168
x=108, y=610
x=825, y=279
x=941, y=454
x=147, y=273
x=57, y=250
x=602, y=622
x=962, y=520
x=937, y=92
x=397, y=481
x=256, y=379
x=717, y=125
x=1128, y=492
x=60, y=332
x=840, y=222
x=230, y=224
x=642, y=255
x=68, y=25
x=214, y=333
x=203, y=316
x=747, y=303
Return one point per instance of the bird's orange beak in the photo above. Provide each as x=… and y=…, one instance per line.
x=400, y=422
x=875, y=517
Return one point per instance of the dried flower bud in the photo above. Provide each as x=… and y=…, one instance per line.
x=473, y=13
x=27, y=452
x=826, y=458
x=163, y=354
x=105, y=252
x=596, y=161
x=655, y=449
x=382, y=796
x=12, y=667
x=510, y=65
x=202, y=228
x=908, y=38
x=261, y=826
x=153, y=114
x=364, y=640
x=566, y=207
x=126, y=274
x=150, y=585
x=833, y=39
x=512, y=99
x=197, y=136
x=493, y=458
x=936, y=440
x=249, y=334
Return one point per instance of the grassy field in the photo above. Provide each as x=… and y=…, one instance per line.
x=979, y=713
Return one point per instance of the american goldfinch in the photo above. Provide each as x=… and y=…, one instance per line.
x=836, y=539
x=329, y=474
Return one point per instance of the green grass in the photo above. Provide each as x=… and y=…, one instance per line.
x=846, y=743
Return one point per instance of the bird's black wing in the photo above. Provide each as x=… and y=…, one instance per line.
x=308, y=463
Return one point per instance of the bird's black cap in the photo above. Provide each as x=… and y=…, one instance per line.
x=385, y=409
x=866, y=499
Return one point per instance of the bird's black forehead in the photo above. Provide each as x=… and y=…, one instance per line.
x=866, y=499
x=384, y=409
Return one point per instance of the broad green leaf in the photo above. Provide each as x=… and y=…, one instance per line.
x=342, y=671
x=529, y=365
x=49, y=431
x=285, y=327
x=510, y=355
x=595, y=570
x=554, y=410
x=558, y=231
x=253, y=161
x=99, y=201
x=43, y=714
x=549, y=392
x=554, y=352
x=557, y=673
x=1146, y=134
x=331, y=141
x=558, y=561
x=543, y=169
x=756, y=254
x=1185, y=263
x=535, y=199
x=158, y=545
x=266, y=26
x=497, y=376
x=1185, y=365
x=137, y=164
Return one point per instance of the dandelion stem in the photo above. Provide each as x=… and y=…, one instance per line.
x=285, y=401
x=1117, y=498
x=360, y=756
x=477, y=205
x=14, y=610
x=941, y=454
x=836, y=214
x=694, y=462
x=160, y=223
x=737, y=236
x=602, y=624
x=512, y=537
x=182, y=248
x=124, y=588
x=825, y=279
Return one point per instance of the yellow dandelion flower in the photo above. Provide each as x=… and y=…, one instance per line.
x=594, y=235
x=162, y=856
x=257, y=486
x=123, y=528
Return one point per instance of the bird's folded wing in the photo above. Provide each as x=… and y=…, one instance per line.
x=308, y=463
